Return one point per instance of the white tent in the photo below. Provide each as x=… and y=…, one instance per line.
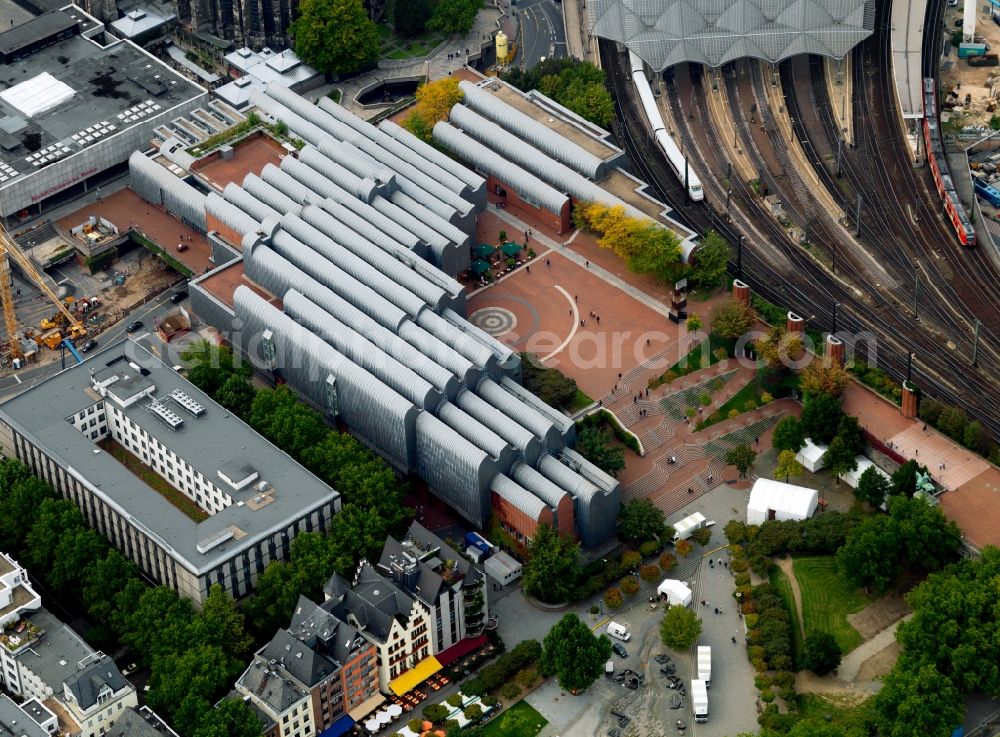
x=677, y=592
x=851, y=478
x=775, y=500
x=811, y=456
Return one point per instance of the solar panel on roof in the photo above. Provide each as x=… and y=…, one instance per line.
x=185, y=401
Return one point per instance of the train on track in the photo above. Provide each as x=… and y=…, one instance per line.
x=939, y=168
x=670, y=149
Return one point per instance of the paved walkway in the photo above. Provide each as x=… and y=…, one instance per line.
x=852, y=662
x=785, y=564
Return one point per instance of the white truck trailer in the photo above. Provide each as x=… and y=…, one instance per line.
x=705, y=665
x=699, y=700
x=684, y=528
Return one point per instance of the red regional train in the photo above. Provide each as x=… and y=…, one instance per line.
x=939, y=168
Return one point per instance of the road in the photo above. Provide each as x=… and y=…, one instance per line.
x=542, y=29
x=13, y=383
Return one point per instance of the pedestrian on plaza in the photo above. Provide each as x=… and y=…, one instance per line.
x=528, y=268
x=716, y=610
x=588, y=264
x=734, y=639
x=548, y=262
x=598, y=317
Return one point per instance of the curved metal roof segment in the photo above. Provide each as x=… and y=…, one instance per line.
x=259, y=211
x=713, y=32
x=518, y=496
x=364, y=189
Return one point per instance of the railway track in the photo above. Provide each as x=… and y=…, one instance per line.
x=797, y=285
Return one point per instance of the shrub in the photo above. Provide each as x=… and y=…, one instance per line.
x=613, y=598
x=781, y=662
x=755, y=652
x=473, y=712
x=787, y=694
x=630, y=559
x=721, y=353
x=667, y=561
x=766, y=398
x=595, y=609
x=435, y=713
x=690, y=412
x=739, y=566
x=702, y=536
x=742, y=579
x=683, y=547
x=767, y=696
x=733, y=413
x=527, y=677
x=510, y=691
x=784, y=679
x=750, y=405
x=649, y=548
x=490, y=700
x=455, y=700
x=752, y=620
x=736, y=533
x=762, y=682
x=649, y=573
x=629, y=586
x=415, y=725
x=758, y=664
x=705, y=399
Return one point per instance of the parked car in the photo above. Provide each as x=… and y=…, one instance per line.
x=88, y=346
x=130, y=669
x=178, y=296
x=134, y=326
x=619, y=650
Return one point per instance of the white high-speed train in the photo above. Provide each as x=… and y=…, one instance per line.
x=663, y=139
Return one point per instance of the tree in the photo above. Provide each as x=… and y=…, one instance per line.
x=553, y=566
x=209, y=365
x=870, y=554
x=839, y=458
x=594, y=444
x=236, y=394
x=221, y=624
x=335, y=36
x=436, y=713
x=613, y=598
x=75, y=550
x=572, y=653
x=780, y=346
x=454, y=16
x=629, y=586
x=579, y=85
x=921, y=701
x=711, y=260
x=821, y=417
x=21, y=497
x=473, y=712
x=548, y=384
x=274, y=599
x=279, y=416
x=821, y=653
x=742, y=456
x=873, y=487
x=436, y=99
x=683, y=548
x=679, y=628
x=953, y=422
x=849, y=430
x=732, y=318
x=928, y=540
x=693, y=322
x=410, y=18
x=649, y=573
x=185, y=682
x=419, y=126
x=230, y=718
x=102, y=580
x=56, y=519
x=903, y=481
x=788, y=435
x=640, y=519
x=823, y=377
x=788, y=465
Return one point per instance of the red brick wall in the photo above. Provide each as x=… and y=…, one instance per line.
x=226, y=233
x=514, y=519
x=560, y=221
x=565, y=514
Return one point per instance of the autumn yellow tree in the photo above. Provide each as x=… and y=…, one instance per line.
x=824, y=377
x=434, y=101
x=646, y=247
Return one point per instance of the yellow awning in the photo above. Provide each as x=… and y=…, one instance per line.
x=415, y=675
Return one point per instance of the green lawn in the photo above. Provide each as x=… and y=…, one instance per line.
x=780, y=581
x=580, y=400
x=153, y=480
x=520, y=720
x=827, y=599
x=739, y=401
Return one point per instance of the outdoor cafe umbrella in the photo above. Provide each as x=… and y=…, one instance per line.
x=372, y=725
x=485, y=250
x=383, y=717
x=480, y=267
x=395, y=710
x=510, y=248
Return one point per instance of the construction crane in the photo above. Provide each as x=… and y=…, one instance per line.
x=10, y=250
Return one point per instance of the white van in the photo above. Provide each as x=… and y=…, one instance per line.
x=619, y=631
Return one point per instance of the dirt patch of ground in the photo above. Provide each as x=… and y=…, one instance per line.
x=833, y=690
x=880, y=663
x=880, y=614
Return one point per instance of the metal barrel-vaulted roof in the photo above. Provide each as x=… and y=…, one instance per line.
x=506, y=359
x=464, y=344
x=479, y=434
x=507, y=428
x=456, y=469
x=294, y=228
x=517, y=496
x=361, y=350
x=531, y=131
x=159, y=185
x=475, y=182
x=364, y=249
x=510, y=405
x=538, y=485
x=255, y=208
x=440, y=352
x=364, y=188
x=713, y=32
x=308, y=132
x=269, y=195
x=528, y=185
x=230, y=214
x=366, y=404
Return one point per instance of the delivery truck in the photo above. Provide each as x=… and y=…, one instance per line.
x=619, y=631
x=705, y=665
x=684, y=528
x=699, y=700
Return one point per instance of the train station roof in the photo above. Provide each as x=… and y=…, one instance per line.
x=714, y=32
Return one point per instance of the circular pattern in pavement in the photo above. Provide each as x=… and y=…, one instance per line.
x=494, y=320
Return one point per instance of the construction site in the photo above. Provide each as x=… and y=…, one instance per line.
x=970, y=75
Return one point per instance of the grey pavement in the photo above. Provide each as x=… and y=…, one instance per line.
x=543, y=33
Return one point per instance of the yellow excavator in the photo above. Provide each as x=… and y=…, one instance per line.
x=9, y=250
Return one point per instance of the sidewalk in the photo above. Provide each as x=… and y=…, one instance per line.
x=840, y=95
